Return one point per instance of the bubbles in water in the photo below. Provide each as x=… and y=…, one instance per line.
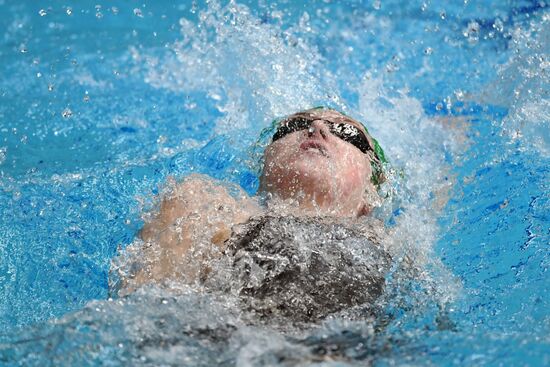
x=42, y=12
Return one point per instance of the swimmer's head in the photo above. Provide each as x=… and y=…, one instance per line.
x=325, y=160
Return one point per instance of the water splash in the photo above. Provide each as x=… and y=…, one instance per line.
x=522, y=85
x=252, y=70
x=275, y=78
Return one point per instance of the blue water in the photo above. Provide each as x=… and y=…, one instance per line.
x=101, y=102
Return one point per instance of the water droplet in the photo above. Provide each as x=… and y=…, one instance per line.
x=86, y=98
x=448, y=103
x=304, y=22
x=99, y=15
x=69, y=11
x=215, y=96
x=114, y=9
x=194, y=216
x=23, y=48
x=66, y=113
x=443, y=15
x=428, y=51
x=138, y=13
x=516, y=134
x=50, y=87
x=376, y=4
x=39, y=75
x=504, y=204
x=472, y=32
x=3, y=151
x=498, y=25
x=424, y=6
x=190, y=106
x=439, y=106
x=42, y=12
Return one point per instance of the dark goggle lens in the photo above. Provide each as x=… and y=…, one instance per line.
x=290, y=126
x=346, y=132
x=352, y=135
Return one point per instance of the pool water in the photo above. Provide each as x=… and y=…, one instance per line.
x=101, y=102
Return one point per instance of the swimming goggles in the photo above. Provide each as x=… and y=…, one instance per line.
x=347, y=132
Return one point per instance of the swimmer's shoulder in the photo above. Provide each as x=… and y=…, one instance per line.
x=197, y=203
x=196, y=213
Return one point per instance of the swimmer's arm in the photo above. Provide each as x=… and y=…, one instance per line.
x=196, y=206
x=197, y=210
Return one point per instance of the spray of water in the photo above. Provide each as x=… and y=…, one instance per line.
x=253, y=71
x=522, y=84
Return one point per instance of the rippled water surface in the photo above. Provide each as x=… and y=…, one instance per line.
x=101, y=102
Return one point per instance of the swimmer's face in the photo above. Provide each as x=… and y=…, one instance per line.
x=319, y=169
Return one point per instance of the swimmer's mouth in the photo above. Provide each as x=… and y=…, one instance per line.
x=314, y=147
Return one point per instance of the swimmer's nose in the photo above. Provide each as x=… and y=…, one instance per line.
x=318, y=129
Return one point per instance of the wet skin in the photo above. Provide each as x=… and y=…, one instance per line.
x=321, y=173
x=318, y=169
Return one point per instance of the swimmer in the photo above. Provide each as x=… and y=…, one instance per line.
x=321, y=168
